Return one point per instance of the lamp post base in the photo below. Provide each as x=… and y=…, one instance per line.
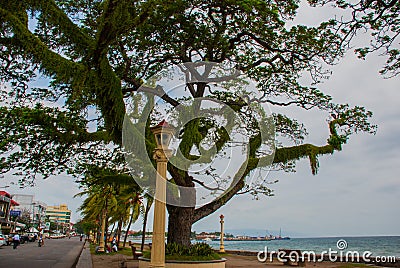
x=160, y=265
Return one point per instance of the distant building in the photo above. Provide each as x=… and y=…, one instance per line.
x=35, y=208
x=25, y=202
x=59, y=214
x=39, y=213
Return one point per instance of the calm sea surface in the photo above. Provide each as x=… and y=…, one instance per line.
x=378, y=245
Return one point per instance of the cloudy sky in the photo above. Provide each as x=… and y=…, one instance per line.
x=356, y=192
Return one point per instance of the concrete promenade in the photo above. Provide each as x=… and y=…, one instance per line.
x=56, y=253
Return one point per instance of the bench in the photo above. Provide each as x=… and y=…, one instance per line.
x=291, y=257
x=136, y=254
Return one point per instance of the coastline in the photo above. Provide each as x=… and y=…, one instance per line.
x=241, y=258
x=377, y=245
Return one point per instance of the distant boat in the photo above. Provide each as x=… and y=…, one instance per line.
x=242, y=238
x=280, y=236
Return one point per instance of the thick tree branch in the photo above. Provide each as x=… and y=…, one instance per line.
x=51, y=62
x=158, y=91
x=59, y=19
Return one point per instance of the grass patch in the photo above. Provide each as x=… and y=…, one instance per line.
x=146, y=254
x=211, y=257
x=125, y=251
x=92, y=248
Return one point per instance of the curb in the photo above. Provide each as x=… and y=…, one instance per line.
x=82, y=261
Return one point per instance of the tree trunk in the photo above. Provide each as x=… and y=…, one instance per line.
x=180, y=218
x=106, y=231
x=127, y=228
x=119, y=231
x=180, y=224
x=146, y=214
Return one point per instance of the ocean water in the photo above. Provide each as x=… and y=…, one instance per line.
x=377, y=245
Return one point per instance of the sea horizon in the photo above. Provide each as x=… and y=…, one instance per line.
x=384, y=245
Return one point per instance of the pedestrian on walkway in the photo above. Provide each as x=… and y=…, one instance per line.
x=41, y=239
x=114, y=246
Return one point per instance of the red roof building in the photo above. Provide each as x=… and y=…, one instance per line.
x=6, y=203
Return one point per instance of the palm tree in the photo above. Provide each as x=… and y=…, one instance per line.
x=112, y=195
x=127, y=209
x=135, y=205
x=99, y=201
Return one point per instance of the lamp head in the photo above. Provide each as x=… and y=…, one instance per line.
x=163, y=133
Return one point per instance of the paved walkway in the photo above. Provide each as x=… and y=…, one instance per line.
x=85, y=259
x=56, y=253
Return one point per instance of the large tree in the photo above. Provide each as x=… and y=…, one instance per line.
x=91, y=57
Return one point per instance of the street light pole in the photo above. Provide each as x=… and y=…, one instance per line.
x=33, y=213
x=221, y=244
x=39, y=218
x=163, y=134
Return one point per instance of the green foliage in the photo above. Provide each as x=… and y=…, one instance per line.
x=176, y=257
x=201, y=249
x=198, y=249
x=174, y=248
x=84, y=227
x=109, y=192
x=88, y=58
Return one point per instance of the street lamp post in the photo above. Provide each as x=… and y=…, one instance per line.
x=163, y=134
x=36, y=217
x=33, y=214
x=221, y=244
x=40, y=210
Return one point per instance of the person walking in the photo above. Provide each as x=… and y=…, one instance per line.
x=114, y=246
x=41, y=239
x=16, y=240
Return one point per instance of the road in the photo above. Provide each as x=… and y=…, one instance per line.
x=56, y=253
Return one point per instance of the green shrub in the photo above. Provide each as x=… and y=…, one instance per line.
x=175, y=249
x=195, y=252
x=198, y=249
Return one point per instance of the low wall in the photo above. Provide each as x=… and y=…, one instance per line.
x=145, y=263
